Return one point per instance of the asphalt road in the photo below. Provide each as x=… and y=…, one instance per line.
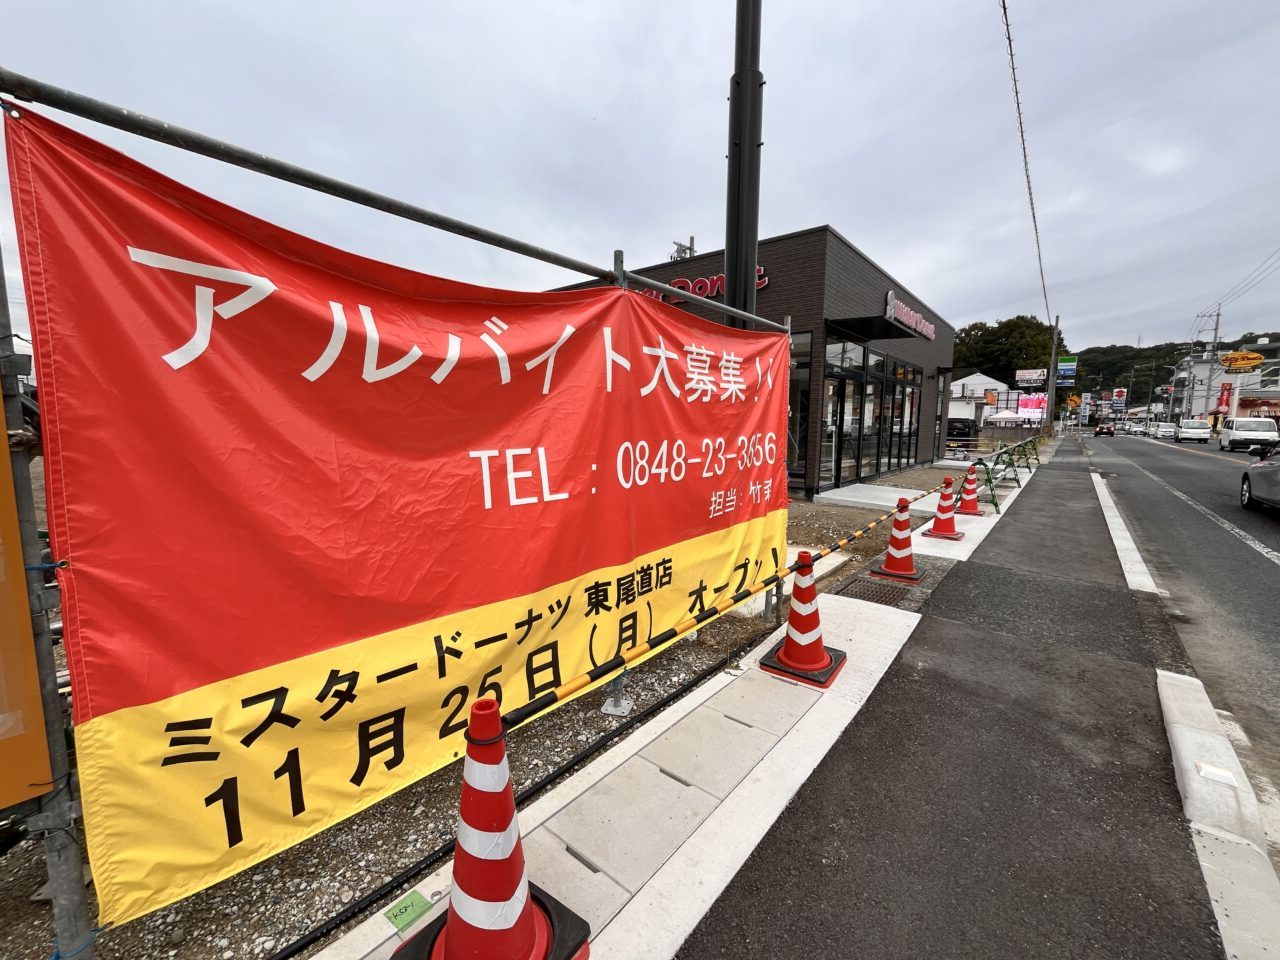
x=1224, y=587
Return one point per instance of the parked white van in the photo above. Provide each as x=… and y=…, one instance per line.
x=1241, y=433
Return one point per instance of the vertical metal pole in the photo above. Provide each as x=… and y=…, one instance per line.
x=619, y=271
x=1052, y=377
x=56, y=815
x=1209, y=399
x=742, y=209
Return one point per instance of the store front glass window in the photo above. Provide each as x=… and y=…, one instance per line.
x=875, y=364
x=870, y=429
x=911, y=422
x=850, y=431
x=798, y=410
x=830, y=435
x=888, y=435
x=938, y=436
x=845, y=359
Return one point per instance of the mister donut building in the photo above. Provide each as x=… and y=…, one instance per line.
x=869, y=359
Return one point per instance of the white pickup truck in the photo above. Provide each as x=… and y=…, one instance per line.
x=1192, y=430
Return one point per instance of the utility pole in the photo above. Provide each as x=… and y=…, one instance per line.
x=1052, y=377
x=742, y=209
x=1213, y=363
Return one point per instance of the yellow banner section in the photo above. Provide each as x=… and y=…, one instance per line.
x=185, y=792
x=24, y=753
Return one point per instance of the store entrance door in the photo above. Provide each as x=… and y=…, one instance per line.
x=841, y=429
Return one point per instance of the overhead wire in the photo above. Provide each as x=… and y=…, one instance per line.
x=1026, y=163
x=1239, y=288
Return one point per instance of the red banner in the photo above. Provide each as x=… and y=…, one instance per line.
x=313, y=505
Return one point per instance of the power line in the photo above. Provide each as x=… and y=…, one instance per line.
x=1243, y=290
x=1236, y=292
x=1026, y=163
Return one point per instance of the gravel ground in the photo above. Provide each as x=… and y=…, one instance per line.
x=269, y=906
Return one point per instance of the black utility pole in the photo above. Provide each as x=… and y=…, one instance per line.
x=742, y=213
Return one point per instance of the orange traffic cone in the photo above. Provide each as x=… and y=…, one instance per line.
x=494, y=911
x=944, y=521
x=898, y=563
x=969, y=495
x=800, y=654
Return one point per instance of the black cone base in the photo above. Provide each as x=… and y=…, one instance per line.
x=770, y=663
x=569, y=932
x=884, y=574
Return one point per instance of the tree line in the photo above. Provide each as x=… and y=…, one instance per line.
x=1000, y=349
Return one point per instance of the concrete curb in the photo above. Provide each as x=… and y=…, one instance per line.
x=1226, y=825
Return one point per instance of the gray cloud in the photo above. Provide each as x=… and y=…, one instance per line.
x=586, y=126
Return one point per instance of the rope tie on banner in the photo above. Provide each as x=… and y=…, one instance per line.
x=549, y=699
x=57, y=950
x=56, y=565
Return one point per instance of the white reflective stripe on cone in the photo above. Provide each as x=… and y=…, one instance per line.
x=486, y=777
x=804, y=580
x=806, y=638
x=484, y=845
x=900, y=535
x=894, y=552
x=489, y=914
x=802, y=608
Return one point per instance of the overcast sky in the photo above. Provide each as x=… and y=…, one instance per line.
x=585, y=126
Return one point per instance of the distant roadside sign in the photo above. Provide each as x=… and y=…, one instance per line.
x=1032, y=377
x=1066, y=366
x=1241, y=360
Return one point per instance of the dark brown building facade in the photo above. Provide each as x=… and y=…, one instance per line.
x=869, y=361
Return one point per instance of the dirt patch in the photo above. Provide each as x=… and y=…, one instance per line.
x=925, y=477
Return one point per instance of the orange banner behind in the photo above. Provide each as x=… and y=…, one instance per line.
x=314, y=505
x=24, y=754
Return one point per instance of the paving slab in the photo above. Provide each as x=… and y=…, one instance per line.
x=755, y=699
x=592, y=894
x=710, y=750
x=632, y=821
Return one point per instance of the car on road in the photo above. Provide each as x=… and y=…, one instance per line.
x=1246, y=432
x=1192, y=430
x=1138, y=429
x=1260, y=483
x=1165, y=431
x=1105, y=430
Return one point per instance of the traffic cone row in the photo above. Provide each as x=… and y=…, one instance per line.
x=495, y=913
x=944, y=521
x=969, y=495
x=800, y=654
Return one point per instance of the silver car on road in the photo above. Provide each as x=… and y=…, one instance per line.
x=1261, y=481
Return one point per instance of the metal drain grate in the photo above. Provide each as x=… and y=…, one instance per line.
x=877, y=591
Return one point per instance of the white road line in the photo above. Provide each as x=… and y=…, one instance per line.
x=1135, y=569
x=1231, y=528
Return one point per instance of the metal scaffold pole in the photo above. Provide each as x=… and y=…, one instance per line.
x=57, y=811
